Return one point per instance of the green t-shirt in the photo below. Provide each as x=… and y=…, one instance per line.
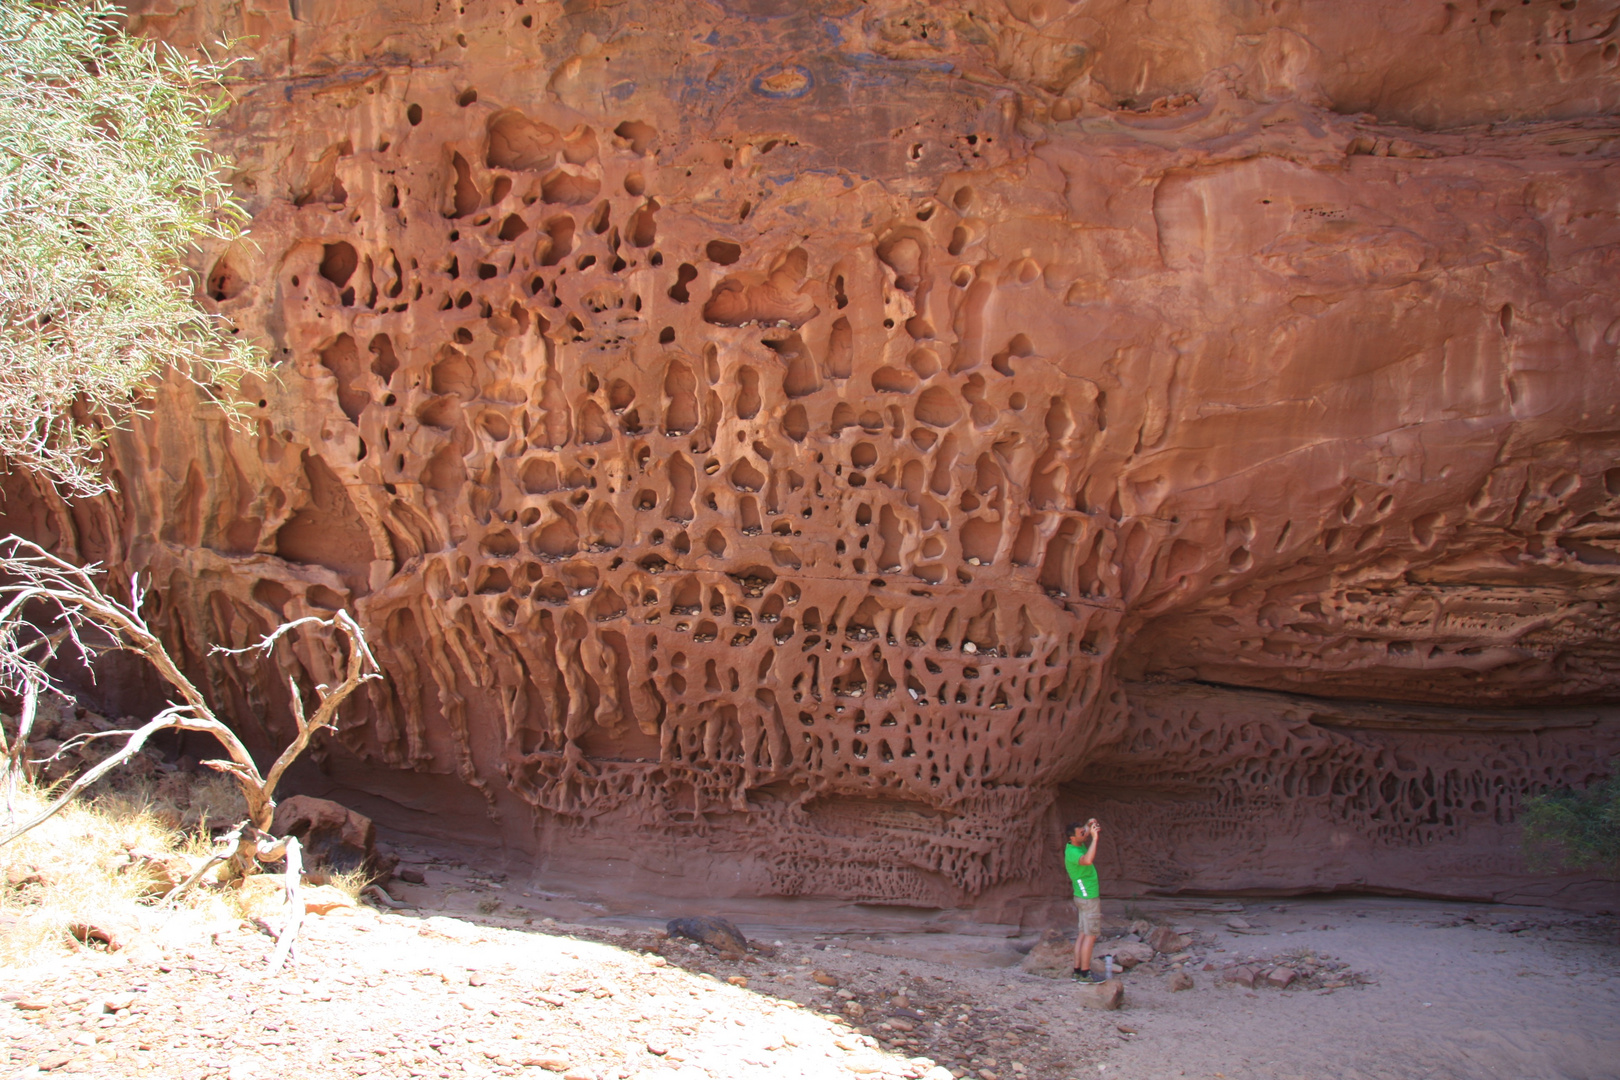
x=1081, y=874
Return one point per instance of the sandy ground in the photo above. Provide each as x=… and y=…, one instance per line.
x=485, y=976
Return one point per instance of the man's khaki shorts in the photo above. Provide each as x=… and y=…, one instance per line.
x=1090, y=915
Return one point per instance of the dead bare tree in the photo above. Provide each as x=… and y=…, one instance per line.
x=46, y=601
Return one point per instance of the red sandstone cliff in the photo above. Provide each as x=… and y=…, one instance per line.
x=847, y=438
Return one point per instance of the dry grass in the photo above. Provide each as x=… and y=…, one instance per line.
x=90, y=879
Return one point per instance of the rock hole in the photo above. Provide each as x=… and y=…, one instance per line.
x=224, y=283
x=520, y=144
x=723, y=252
x=465, y=197
x=500, y=545
x=685, y=274
x=559, y=538
x=683, y=484
x=840, y=349
x=539, y=476
x=342, y=359
x=569, y=189
x=889, y=380
x=643, y=226
x=558, y=242
x=748, y=397
x=924, y=361
x=339, y=262
x=937, y=408
x=513, y=227
x=580, y=146
x=638, y=135
x=383, y=360
x=680, y=395
x=796, y=424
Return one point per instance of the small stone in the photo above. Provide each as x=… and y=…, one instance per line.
x=823, y=978
x=1103, y=995
x=1128, y=954
x=1181, y=981
x=1242, y=975
x=1166, y=940
x=53, y=1060
x=325, y=899
x=477, y=978
x=84, y=1038
x=900, y=1001
x=737, y=980
x=548, y=1061
x=31, y=1004
x=658, y=1044
x=411, y=877
x=1239, y=924
x=1281, y=977
x=719, y=934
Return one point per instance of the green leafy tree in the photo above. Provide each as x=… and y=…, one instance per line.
x=1576, y=830
x=106, y=185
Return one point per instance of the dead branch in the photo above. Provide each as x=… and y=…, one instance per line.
x=382, y=895
x=295, y=905
x=227, y=848
x=36, y=578
x=166, y=718
x=362, y=666
x=16, y=761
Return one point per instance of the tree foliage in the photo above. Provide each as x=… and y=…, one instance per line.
x=1576, y=830
x=106, y=184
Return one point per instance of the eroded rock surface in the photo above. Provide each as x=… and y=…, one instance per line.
x=847, y=438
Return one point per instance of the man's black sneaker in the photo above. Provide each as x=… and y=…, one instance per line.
x=1081, y=976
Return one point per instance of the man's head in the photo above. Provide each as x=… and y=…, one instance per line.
x=1079, y=832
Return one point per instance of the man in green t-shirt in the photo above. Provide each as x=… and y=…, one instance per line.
x=1078, y=858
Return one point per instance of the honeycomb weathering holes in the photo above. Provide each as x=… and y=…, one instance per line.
x=707, y=492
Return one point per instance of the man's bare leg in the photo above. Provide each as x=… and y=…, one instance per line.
x=1082, y=951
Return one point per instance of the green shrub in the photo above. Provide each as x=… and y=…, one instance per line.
x=1575, y=830
x=106, y=183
